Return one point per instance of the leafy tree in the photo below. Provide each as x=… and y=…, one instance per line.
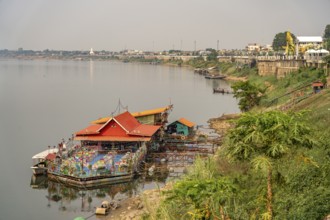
x=249, y=94
x=326, y=59
x=213, y=54
x=326, y=37
x=202, y=194
x=279, y=41
x=264, y=138
x=327, y=32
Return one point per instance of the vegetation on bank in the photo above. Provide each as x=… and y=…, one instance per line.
x=273, y=164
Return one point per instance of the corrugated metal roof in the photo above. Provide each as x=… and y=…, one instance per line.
x=310, y=39
x=317, y=51
x=150, y=112
x=186, y=122
x=135, y=114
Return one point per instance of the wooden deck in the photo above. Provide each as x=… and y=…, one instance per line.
x=177, y=156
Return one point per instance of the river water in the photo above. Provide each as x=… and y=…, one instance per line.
x=43, y=101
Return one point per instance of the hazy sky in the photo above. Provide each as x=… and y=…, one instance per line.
x=154, y=24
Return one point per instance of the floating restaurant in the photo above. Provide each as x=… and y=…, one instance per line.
x=110, y=150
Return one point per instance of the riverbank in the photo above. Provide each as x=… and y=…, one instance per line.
x=142, y=205
x=147, y=203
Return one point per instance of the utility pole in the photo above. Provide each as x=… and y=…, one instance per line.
x=195, y=45
x=217, y=45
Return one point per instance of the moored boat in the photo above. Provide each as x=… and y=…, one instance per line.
x=221, y=90
x=40, y=161
x=211, y=76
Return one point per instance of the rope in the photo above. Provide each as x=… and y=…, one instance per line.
x=120, y=105
x=90, y=216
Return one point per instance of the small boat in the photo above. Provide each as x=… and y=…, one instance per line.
x=201, y=71
x=221, y=90
x=40, y=161
x=210, y=76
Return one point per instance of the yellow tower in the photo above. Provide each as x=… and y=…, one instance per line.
x=290, y=47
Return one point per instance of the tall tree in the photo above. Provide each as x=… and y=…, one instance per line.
x=248, y=93
x=263, y=138
x=279, y=42
x=327, y=31
x=326, y=37
x=213, y=55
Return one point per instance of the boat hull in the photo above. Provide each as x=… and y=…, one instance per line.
x=39, y=170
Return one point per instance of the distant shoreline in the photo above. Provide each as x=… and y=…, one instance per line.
x=112, y=59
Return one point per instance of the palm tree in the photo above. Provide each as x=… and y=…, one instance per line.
x=263, y=138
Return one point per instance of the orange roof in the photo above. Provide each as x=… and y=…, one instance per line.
x=127, y=130
x=101, y=120
x=135, y=114
x=186, y=122
x=127, y=121
x=144, y=130
x=110, y=138
x=92, y=129
x=150, y=112
x=314, y=84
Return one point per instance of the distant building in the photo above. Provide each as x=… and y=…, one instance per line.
x=91, y=52
x=253, y=47
x=315, y=57
x=266, y=48
x=304, y=43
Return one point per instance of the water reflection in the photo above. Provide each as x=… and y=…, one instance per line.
x=91, y=71
x=71, y=199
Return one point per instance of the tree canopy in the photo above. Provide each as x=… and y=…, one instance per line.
x=264, y=138
x=327, y=32
x=326, y=37
x=279, y=41
x=248, y=93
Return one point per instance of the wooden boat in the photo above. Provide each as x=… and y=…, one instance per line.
x=210, y=76
x=221, y=90
x=201, y=71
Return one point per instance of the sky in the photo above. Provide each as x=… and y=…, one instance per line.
x=154, y=25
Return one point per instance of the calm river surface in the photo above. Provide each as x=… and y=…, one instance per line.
x=43, y=101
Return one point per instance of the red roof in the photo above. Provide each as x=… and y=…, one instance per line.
x=51, y=156
x=315, y=84
x=144, y=130
x=92, y=129
x=127, y=121
x=123, y=127
x=111, y=138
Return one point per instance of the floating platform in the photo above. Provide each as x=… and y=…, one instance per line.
x=90, y=182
